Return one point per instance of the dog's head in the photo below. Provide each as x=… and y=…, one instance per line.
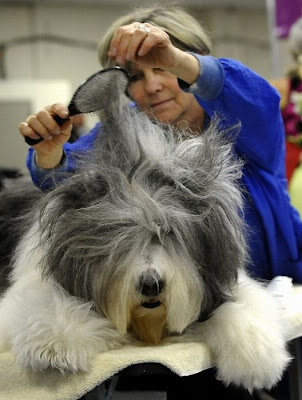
x=150, y=229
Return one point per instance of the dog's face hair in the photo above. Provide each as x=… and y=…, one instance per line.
x=148, y=207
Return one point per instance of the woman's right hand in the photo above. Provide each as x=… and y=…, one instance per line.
x=49, y=152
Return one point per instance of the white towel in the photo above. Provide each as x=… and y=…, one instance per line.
x=182, y=358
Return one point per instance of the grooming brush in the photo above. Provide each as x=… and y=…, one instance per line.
x=88, y=97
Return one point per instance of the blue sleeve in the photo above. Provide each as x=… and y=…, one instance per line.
x=47, y=179
x=238, y=94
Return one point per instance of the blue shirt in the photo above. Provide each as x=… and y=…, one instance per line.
x=238, y=94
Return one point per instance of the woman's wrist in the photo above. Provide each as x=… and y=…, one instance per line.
x=187, y=67
x=49, y=162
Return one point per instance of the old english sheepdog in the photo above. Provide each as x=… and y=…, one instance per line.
x=145, y=243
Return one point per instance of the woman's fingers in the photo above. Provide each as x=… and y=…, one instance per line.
x=126, y=42
x=25, y=130
x=58, y=109
x=42, y=125
x=135, y=40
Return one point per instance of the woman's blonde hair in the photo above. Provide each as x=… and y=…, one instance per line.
x=184, y=30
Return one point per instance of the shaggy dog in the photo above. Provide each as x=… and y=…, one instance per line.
x=145, y=240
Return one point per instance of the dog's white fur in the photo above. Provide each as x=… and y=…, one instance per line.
x=244, y=337
x=79, y=284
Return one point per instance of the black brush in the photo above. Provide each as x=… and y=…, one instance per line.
x=89, y=97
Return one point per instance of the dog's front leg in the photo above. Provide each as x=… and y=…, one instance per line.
x=47, y=328
x=246, y=337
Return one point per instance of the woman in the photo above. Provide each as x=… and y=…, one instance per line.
x=174, y=80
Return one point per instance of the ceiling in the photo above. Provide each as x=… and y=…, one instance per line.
x=224, y=3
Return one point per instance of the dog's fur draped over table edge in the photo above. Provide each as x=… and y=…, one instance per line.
x=181, y=358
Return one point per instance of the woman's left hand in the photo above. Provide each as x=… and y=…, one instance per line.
x=150, y=46
x=144, y=44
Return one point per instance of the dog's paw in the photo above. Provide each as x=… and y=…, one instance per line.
x=254, y=360
x=68, y=344
x=247, y=337
x=248, y=351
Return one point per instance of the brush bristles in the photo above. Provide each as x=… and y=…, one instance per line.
x=93, y=96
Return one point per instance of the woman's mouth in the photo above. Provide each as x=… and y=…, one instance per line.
x=160, y=104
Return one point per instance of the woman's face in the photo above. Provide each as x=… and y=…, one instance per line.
x=158, y=94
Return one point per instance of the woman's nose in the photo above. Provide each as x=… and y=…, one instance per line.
x=153, y=83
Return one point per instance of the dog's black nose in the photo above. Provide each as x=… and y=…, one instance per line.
x=150, y=283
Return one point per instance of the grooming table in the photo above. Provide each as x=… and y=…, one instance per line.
x=182, y=359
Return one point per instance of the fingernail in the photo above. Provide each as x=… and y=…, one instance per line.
x=64, y=114
x=49, y=137
x=113, y=51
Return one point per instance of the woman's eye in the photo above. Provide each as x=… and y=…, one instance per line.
x=136, y=77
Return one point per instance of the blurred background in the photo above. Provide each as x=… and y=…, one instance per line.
x=47, y=48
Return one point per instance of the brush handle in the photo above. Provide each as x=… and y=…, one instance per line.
x=60, y=121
